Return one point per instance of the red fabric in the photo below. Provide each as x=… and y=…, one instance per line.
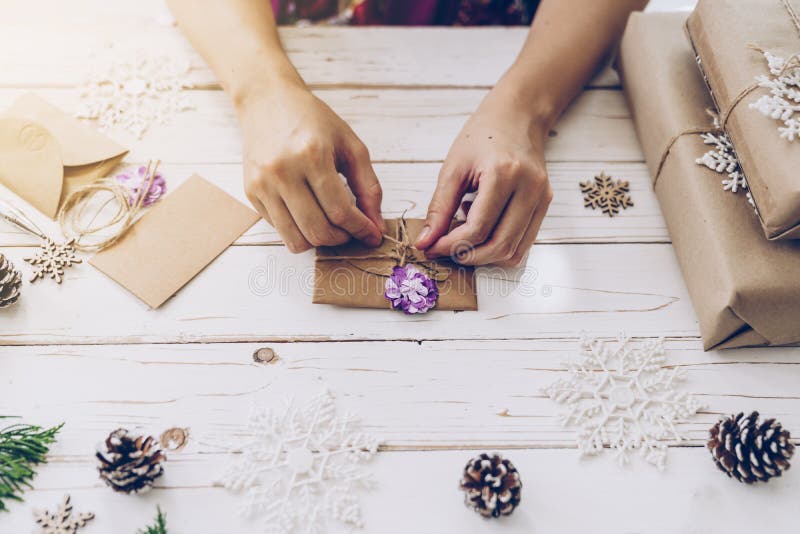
x=406, y=12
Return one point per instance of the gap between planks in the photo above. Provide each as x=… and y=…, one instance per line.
x=311, y=339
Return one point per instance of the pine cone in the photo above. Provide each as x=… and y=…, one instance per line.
x=492, y=485
x=130, y=464
x=10, y=282
x=750, y=451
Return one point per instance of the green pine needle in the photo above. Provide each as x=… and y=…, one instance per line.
x=159, y=528
x=21, y=448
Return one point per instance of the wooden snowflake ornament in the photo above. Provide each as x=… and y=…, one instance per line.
x=62, y=521
x=606, y=194
x=51, y=259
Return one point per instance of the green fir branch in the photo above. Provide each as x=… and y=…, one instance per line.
x=21, y=448
x=159, y=528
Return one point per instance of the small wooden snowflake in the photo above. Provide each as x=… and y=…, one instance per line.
x=607, y=194
x=51, y=259
x=61, y=521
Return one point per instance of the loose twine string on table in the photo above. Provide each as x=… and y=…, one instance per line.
x=403, y=252
x=721, y=121
x=13, y=215
x=72, y=211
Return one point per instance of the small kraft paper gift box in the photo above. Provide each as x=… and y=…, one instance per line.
x=745, y=289
x=733, y=41
x=355, y=275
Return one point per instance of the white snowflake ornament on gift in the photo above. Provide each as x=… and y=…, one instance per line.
x=722, y=159
x=134, y=91
x=623, y=396
x=783, y=101
x=302, y=467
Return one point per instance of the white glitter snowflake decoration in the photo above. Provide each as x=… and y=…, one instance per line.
x=135, y=92
x=623, y=397
x=783, y=101
x=301, y=467
x=722, y=159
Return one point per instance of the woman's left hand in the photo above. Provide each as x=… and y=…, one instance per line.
x=499, y=154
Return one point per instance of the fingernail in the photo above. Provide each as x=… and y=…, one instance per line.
x=425, y=232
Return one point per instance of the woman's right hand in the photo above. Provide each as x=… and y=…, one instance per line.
x=295, y=146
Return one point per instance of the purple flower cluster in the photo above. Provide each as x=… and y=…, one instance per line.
x=410, y=290
x=134, y=180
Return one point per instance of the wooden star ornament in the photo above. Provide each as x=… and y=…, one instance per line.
x=62, y=521
x=607, y=194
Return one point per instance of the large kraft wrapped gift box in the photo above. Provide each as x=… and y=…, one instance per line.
x=745, y=289
x=722, y=33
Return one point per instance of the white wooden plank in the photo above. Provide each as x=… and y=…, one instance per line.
x=434, y=395
x=418, y=492
x=396, y=125
x=407, y=188
x=258, y=293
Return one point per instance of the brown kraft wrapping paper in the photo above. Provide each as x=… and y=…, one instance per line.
x=745, y=289
x=360, y=283
x=721, y=33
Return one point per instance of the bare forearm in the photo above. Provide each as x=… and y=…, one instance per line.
x=295, y=148
x=239, y=40
x=567, y=41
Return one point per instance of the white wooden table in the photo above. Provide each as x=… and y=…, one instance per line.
x=437, y=388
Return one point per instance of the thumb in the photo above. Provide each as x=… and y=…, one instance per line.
x=444, y=204
x=365, y=185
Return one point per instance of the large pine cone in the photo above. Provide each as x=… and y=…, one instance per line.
x=130, y=464
x=492, y=485
x=10, y=282
x=750, y=451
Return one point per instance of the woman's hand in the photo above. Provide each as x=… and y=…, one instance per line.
x=499, y=154
x=295, y=146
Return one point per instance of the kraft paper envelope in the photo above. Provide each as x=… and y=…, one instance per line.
x=45, y=153
x=174, y=240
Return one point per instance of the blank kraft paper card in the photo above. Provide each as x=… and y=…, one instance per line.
x=176, y=239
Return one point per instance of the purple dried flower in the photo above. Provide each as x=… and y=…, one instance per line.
x=134, y=180
x=410, y=290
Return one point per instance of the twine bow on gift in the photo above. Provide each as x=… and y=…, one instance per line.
x=403, y=252
x=721, y=119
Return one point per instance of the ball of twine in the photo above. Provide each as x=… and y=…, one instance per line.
x=71, y=216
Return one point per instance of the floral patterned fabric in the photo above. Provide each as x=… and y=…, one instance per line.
x=405, y=12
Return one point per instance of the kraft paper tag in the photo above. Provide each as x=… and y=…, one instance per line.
x=175, y=240
x=45, y=153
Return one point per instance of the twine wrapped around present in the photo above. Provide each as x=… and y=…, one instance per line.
x=403, y=252
x=721, y=119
